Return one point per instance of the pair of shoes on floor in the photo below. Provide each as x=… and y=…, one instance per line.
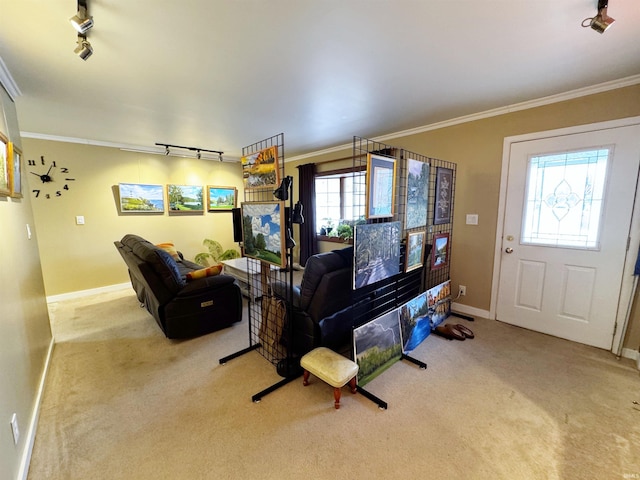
x=454, y=332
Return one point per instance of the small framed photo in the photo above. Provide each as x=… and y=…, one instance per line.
x=415, y=250
x=5, y=187
x=261, y=169
x=381, y=186
x=141, y=198
x=185, y=198
x=440, y=257
x=14, y=155
x=221, y=199
x=444, y=188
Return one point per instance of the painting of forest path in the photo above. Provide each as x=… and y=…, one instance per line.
x=377, y=345
x=376, y=253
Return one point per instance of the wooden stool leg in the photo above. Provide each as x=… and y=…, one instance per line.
x=336, y=395
x=353, y=385
x=305, y=378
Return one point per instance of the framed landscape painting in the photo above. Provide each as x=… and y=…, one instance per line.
x=185, y=198
x=417, y=194
x=440, y=258
x=444, y=188
x=261, y=169
x=263, y=232
x=381, y=181
x=14, y=156
x=415, y=250
x=141, y=198
x=221, y=198
x=415, y=323
x=4, y=166
x=377, y=346
x=439, y=299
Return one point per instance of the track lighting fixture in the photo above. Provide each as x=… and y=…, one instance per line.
x=282, y=192
x=84, y=49
x=82, y=21
x=601, y=21
x=198, y=151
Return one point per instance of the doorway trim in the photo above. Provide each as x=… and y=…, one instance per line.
x=628, y=286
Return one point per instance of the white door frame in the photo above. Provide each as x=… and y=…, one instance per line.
x=628, y=285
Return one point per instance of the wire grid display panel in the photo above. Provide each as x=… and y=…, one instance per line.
x=438, y=224
x=262, y=276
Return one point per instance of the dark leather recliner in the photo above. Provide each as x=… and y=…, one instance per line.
x=323, y=314
x=182, y=309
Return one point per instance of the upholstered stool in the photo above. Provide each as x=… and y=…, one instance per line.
x=330, y=367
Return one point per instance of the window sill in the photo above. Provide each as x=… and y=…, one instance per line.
x=325, y=238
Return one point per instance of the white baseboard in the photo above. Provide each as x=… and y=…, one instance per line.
x=87, y=293
x=632, y=354
x=467, y=310
x=23, y=471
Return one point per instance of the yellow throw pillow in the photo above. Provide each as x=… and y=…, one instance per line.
x=204, y=272
x=170, y=248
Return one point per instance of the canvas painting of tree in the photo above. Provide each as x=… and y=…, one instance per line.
x=263, y=232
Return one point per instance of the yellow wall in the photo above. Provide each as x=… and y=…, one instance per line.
x=81, y=257
x=25, y=335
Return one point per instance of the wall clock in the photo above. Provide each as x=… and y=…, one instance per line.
x=54, y=178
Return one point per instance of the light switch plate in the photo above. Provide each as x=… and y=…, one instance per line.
x=79, y=220
x=472, y=219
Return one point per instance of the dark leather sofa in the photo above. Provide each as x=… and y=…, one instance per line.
x=182, y=309
x=323, y=313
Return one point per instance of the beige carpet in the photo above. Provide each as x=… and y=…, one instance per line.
x=123, y=402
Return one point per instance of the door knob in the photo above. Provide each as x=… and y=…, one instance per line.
x=508, y=250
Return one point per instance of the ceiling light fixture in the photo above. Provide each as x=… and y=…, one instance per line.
x=82, y=21
x=198, y=150
x=601, y=21
x=84, y=49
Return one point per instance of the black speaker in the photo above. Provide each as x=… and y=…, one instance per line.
x=237, y=224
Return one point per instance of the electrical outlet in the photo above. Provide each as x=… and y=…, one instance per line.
x=14, y=428
x=462, y=290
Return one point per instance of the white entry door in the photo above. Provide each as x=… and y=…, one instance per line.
x=568, y=211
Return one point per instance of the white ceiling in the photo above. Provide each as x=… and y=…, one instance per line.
x=221, y=75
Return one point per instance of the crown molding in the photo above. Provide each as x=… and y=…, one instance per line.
x=539, y=102
x=124, y=146
x=8, y=82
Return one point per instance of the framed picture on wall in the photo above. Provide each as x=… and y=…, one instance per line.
x=14, y=155
x=444, y=188
x=141, y=198
x=261, y=169
x=440, y=257
x=417, y=200
x=263, y=232
x=381, y=181
x=415, y=250
x=4, y=166
x=185, y=198
x=221, y=199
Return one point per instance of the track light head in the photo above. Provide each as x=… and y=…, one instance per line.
x=282, y=192
x=601, y=22
x=166, y=151
x=84, y=49
x=220, y=156
x=198, y=155
x=82, y=21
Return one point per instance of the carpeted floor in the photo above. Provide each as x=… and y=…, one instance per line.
x=123, y=402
